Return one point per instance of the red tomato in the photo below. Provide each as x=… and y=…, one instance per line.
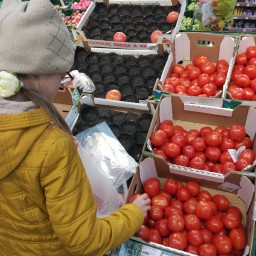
x=213, y=138
x=189, y=138
x=227, y=167
x=143, y=233
x=225, y=157
x=194, y=90
x=165, y=241
x=162, y=227
x=167, y=127
x=151, y=223
x=189, y=67
x=168, y=88
x=191, y=249
x=177, y=68
x=222, y=62
x=213, y=153
x=238, y=67
x=250, y=70
x=189, y=206
x=199, y=60
x=207, y=250
x=176, y=223
x=217, y=168
x=113, y=95
x=209, y=164
x=154, y=36
x=221, y=201
x=160, y=152
x=214, y=224
x=133, y=197
x=172, y=17
x=220, y=79
x=178, y=241
x=238, y=238
x=170, y=186
x=203, y=79
x=251, y=52
x=181, y=160
x=207, y=235
x=241, y=59
x=204, y=195
x=247, y=142
x=209, y=89
x=208, y=68
x=242, y=80
x=119, y=37
x=204, y=210
x=238, y=93
x=192, y=222
x=195, y=237
x=179, y=140
x=171, y=149
x=175, y=81
x=154, y=236
x=184, y=75
x=193, y=187
x=172, y=210
x=169, y=80
x=180, y=88
x=204, y=130
x=183, y=194
x=152, y=187
x=253, y=84
x=230, y=221
x=194, y=73
x=197, y=163
x=189, y=151
x=185, y=82
x=177, y=203
x=223, y=244
x=158, y=138
x=235, y=211
x=226, y=144
x=222, y=69
x=247, y=155
x=199, y=144
x=252, y=61
x=156, y=213
x=235, y=73
x=159, y=200
x=237, y=132
x=166, y=195
x=249, y=93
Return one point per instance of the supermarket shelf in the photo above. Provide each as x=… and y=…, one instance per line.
x=245, y=4
x=244, y=18
x=241, y=30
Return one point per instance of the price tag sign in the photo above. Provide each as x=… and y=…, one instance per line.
x=149, y=251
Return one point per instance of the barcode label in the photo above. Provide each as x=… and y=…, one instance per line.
x=149, y=251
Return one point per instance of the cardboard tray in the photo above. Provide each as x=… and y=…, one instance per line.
x=244, y=41
x=238, y=189
x=190, y=44
x=194, y=116
x=129, y=45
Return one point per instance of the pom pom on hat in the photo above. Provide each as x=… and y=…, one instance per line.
x=34, y=38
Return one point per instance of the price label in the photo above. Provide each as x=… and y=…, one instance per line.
x=149, y=251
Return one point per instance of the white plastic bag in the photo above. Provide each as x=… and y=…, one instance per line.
x=83, y=82
x=107, y=154
x=204, y=13
x=106, y=197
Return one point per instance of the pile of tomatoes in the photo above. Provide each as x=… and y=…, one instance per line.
x=187, y=218
x=243, y=79
x=200, y=78
x=205, y=149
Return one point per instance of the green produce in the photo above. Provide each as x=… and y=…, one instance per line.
x=185, y=23
x=195, y=26
x=192, y=6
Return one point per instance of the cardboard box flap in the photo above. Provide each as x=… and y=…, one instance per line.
x=206, y=43
x=245, y=42
x=205, y=115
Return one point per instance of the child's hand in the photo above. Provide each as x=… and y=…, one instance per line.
x=143, y=202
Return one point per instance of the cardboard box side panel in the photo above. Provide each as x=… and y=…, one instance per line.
x=179, y=113
x=63, y=97
x=245, y=42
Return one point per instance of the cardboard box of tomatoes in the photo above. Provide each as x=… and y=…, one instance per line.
x=111, y=24
x=241, y=86
x=202, y=141
x=197, y=66
x=233, y=197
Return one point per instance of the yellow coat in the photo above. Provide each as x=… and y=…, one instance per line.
x=46, y=204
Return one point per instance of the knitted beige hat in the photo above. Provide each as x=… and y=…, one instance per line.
x=33, y=38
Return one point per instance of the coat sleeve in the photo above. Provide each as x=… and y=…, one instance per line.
x=72, y=209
